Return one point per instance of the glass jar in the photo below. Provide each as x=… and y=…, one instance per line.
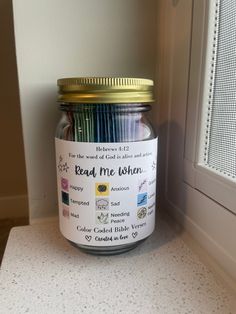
x=106, y=152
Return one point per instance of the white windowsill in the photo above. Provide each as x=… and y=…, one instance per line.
x=42, y=273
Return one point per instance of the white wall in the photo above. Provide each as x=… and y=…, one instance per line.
x=13, y=190
x=56, y=38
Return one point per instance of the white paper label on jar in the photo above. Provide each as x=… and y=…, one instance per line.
x=106, y=191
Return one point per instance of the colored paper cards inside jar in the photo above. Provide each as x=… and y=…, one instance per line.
x=106, y=154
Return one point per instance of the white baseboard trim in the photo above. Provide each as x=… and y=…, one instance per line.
x=14, y=206
x=212, y=253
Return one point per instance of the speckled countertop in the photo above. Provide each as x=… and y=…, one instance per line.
x=42, y=273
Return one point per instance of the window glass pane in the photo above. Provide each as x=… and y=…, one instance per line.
x=220, y=133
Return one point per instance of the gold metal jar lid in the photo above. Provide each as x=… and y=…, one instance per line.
x=105, y=90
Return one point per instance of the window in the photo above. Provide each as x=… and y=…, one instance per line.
x=210, y=148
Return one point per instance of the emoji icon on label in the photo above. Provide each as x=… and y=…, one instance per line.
x=102, y=204
x=142, y=199
x=65, y=212
x=65, y=198
x=142, y=212
x=102, y=189
x=102, y=218
x=64, y=184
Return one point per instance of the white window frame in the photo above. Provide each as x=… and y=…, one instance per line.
x=219, y=187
